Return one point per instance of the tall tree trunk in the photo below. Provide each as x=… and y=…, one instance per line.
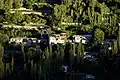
x=22, y=49
x=12, y=63
x=5, y=70
x=119, y=38
x=10, y=67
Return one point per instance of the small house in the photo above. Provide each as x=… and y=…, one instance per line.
x=52, y=39
x=109, y=42
x=61, y=38
x=82, y=38
x=17, y=40
x=24, y=40
x=77, y=38
x=86, y=38
x=34, y=40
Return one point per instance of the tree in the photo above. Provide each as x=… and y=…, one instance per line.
x=42, y=21
x=20, y=33
x=46, y=53
x=59, y=13
x=8, y=17
x=61, y=49
x=46, y=63
x=80, y=49
x=37, y=61
x=8, y=4
x=27, y=19
x=24, y=55
x=2, y=19
x=3, y=38
x=113, y=5
x=35, y=19
x=112, y=25
x=17, y=3
x=1, y=4
x=42, y=1
x=13, y=32
x=118, y=38
x=68, y=55
x=68, y=19
x=31, y=56
x=79, y=52
x=67, y=2
x=1, y=63
x=78, y=7
x=17, y=17
x=87, y=28
x=114, y=48
x=99, y=36
x=29, y=3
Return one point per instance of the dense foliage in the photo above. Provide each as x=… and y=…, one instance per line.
x=43, y=62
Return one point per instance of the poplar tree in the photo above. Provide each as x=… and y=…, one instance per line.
x=8, y=4
x=27, y=18
x=1, y=63
x=79, y=51
x=68, y=55
x=16, y=4
x=67, y=2
x=78, y=7
x=8, y=17
x=17, y=17
x=3, y=40
x=99, y=36
x=114, y=48
x=29, y=4
x=59, y=13
x=42, y=1
x=1, y=4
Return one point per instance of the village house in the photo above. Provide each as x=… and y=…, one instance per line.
x=61, y=38
x=52, y=39
x=34, y=40
x=24, y=40
x=17, y=40
x=109, y=42
x=78, y=38
x=49, y=38
x=85, y=38
x=55, y=38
